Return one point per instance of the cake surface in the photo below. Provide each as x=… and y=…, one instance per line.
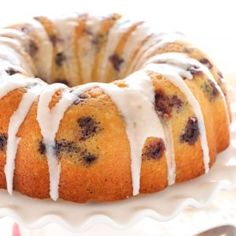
x=104, y=108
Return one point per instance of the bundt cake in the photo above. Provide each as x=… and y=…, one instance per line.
x=104, y=108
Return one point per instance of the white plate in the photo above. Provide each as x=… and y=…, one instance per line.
x=162, y=206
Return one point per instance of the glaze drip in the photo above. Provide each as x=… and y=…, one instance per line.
x=135, y=100
x=49, y=121
x=172, y=74
x=15, y=122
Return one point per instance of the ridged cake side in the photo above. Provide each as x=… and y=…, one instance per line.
x=163, y=119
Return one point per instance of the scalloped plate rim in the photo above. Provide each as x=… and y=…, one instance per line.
x=183, y=202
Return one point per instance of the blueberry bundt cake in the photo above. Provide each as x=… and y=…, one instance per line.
x=104, y=108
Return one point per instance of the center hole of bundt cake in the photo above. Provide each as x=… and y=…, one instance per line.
x=113, y=68
x=87, y=49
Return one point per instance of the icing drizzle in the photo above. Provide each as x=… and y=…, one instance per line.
x=139, y=114
x=172, y=74
x=49, y=121
x=16, y=120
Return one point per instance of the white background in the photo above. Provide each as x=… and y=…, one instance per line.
x=212, y=24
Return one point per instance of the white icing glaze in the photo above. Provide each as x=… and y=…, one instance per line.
x=13, y=33
x=18, y=40
x=6, y=65
x=10, y=56
x=24, y=60
x=49, y=121
x=141, y=119
x=164, y=39
x=133, y=42
x=183, y=61
x=170, y=153
x=15, y=122
x=114, y=36
x=139, y=113
x=151, y=41
x=43, y=57
x=173, y=75
x=155, y=42
x=9, y=83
